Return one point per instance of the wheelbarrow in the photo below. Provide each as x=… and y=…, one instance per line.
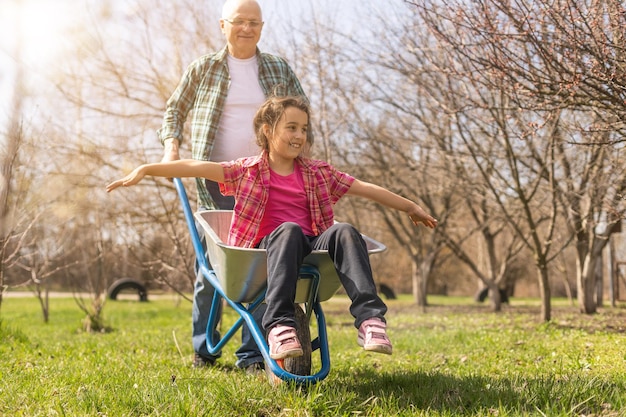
x=239, y=276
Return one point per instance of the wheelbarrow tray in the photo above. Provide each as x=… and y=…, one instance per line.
x=242, y=272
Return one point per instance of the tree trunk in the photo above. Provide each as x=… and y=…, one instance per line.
x=494, y=296
x=599, y=281
x=544, y=288
x=586, y=275
x=46, y=309
x=585, y=281
x=613, y=277
x=419, y=283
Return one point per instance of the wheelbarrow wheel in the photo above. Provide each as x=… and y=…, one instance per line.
x=302, y=364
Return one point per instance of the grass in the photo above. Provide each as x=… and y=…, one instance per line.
x=454, y=359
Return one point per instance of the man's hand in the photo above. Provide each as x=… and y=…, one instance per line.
x=170, y=152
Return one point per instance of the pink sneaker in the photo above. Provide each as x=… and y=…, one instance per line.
x=283, y=342
x=373, y=337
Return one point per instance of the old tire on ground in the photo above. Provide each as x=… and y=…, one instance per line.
x=387, y=292
x=300, y=365
x=481, y=296
x=128, y=284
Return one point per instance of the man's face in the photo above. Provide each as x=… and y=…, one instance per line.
x=242, y=28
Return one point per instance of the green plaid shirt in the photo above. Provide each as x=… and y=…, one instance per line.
x=203, y=90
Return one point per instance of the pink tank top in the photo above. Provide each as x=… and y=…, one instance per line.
x=287, y=203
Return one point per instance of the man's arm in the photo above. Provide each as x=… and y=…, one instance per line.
x=178, y=107
x=170, y=150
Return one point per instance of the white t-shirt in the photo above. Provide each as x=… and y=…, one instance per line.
x=235, y=136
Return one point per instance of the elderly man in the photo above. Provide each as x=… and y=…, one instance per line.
x=223, y=90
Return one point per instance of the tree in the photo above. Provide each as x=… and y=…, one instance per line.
x=571, y=77
x=117, y=90
x=11, y=233
x=44, y=258
x=91, y=277
x=20, y=207
x=418, y=107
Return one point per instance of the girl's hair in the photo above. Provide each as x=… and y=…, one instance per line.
x=270, y=113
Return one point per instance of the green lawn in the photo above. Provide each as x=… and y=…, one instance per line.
x=454, y=359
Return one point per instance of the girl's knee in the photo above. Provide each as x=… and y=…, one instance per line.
x=289, y=228
x=347, y=230
x=287, y=233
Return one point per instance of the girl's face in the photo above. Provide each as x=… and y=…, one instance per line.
x=289, y=138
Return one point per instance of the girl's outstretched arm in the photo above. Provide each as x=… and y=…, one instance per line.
x=387, y=198
x=172, y=169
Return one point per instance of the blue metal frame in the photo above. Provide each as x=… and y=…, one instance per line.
x=306, y=272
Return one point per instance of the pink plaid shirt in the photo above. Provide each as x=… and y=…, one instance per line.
x=248, y=180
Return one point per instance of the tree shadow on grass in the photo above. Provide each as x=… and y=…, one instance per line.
x=479, y=395
x=434, y=391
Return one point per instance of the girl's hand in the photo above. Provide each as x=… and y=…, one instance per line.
x=131, y=179
x=418, y=215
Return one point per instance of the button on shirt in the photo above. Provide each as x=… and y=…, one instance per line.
x=248, y=179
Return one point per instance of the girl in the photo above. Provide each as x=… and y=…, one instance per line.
x=283, y=203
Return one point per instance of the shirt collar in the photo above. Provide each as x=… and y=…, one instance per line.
x=306, y=164
x=262, y=161
x=222, y=55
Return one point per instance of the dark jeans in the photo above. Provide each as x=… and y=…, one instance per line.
x=248, y=353
x=286, y=248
